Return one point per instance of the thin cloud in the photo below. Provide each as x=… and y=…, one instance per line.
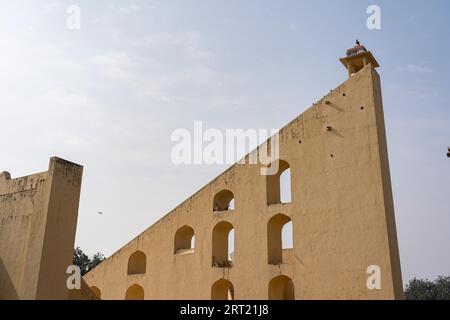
x=115, y=65
x=293, y=27
x=416, y=69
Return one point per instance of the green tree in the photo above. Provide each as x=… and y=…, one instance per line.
x=96, y=260
x=419, y=289
x=83, y=261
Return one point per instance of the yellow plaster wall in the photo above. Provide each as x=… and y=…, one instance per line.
x=38, y=217
x=342, y=213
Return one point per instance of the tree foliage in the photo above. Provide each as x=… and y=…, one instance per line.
x=419, y=289
x=83, y=261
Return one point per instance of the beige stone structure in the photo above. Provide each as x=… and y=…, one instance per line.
x=38, y=218
x=341, y=210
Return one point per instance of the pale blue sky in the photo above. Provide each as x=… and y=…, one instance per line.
x=109, y=96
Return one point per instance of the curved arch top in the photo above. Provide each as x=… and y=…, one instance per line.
x=135, y=292
x=222, y=290
x=96, y=291
x=137, y=263
x=281, y=288
x=279, y=185
x=223, y=201
x=184, y=240
x=221, y=245
x=275, y=239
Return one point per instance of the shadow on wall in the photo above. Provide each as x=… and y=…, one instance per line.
x=85, y=293
x=7, y=290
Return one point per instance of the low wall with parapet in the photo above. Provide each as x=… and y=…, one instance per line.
x=38, y=218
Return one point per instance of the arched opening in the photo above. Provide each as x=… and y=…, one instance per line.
x=135, y=292
x=193, y=242
x=281, y=288
x=223, y=201
x=231, y=246
x=285, y=186
x=96, y=291
x=137, y=263
x=278, y=229
x=287, y=236
x=279, y=184
x=223, y=245
x=222, y=290
x=184, y=240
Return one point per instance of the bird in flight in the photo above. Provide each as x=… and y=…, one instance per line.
x=99, y=212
